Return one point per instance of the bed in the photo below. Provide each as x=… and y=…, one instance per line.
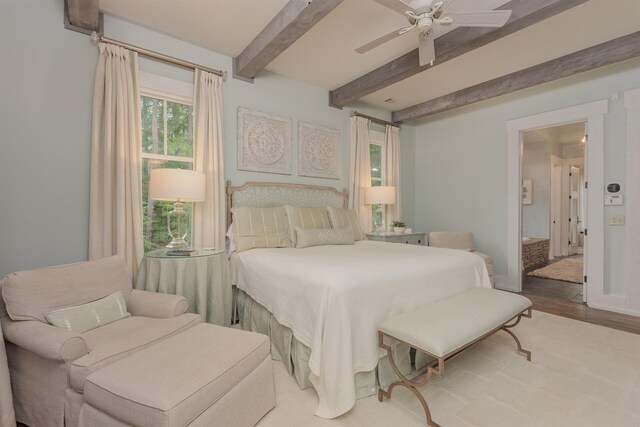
x=321, y=306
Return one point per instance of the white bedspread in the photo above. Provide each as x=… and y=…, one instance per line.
x=334, y=297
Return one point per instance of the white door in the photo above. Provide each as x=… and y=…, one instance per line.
x=556, y=209
x=584, y=221
x=575, y=223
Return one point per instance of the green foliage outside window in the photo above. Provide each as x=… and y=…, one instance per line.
x=167, y=142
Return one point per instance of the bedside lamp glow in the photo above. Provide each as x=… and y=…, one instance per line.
x=179, y=186
x=384, y=195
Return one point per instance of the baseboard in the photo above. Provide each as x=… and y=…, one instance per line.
x=614, y=309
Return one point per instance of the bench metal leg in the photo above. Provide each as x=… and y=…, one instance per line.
x=505, y=328
x=411, y=385
x=423, y=379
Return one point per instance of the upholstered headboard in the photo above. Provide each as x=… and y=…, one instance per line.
x=269, y=194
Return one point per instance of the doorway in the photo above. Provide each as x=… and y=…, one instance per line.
x=552, y=213
x=593, y=113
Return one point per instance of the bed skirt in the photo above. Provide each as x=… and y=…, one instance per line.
x=295, y=355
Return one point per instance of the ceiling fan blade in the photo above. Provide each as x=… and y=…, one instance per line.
x=380, y=40
x=426, y=48
x=482, y=18
x=397, y=5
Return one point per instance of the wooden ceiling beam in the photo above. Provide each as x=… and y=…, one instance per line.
x=449, y=46
x=611, y=52
x=295, y=19
x=82, y=15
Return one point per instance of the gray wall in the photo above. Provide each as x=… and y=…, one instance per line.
x=461, y=183
x=536, y=166
x=45, y=127
x=46, y=82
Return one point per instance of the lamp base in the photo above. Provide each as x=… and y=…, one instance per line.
x=178, y=244
x=378, y=227
x=178, y=227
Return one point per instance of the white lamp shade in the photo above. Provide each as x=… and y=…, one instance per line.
x=385, y=195
x=177, y=185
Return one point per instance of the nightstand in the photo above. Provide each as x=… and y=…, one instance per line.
x=203, y=278
x=391, y=237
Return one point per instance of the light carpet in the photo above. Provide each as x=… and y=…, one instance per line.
x=580, y=375
x=567, y=270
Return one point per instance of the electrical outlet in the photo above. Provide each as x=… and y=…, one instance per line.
x=616, y=220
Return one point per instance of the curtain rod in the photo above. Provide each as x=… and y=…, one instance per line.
x=376, y=120
x=151, y=54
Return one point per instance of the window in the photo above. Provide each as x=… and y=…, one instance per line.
x=167, y=142
x=376, y=150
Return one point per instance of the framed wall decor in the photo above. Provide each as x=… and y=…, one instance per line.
x=527, y=192
x=318, y=151
x=264, y=142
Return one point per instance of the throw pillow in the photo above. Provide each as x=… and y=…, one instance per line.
x=84, y=317
x=307, y=237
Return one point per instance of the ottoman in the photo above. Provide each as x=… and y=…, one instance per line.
x=207, y=375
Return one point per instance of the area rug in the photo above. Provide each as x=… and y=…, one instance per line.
x=580, y=375
x=566, y=270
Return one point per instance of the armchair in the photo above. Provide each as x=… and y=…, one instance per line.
x=48, y=365
x=460, y=240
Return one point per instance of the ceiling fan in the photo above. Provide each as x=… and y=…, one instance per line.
x=425, y=15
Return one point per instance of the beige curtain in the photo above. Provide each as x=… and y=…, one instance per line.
x=7, y=416
x=392, y=172
x=360, y=171
x=115, y=211
x=209, y=216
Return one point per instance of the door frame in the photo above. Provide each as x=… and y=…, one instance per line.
x=593, y=114
x=555, y=209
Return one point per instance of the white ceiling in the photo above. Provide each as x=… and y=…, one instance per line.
x=325, y=55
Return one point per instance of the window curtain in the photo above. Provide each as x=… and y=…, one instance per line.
x=209, y=218
x=392, y=172
x=360, y=171
x=115, y=211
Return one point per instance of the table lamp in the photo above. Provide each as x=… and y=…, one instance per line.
x=384, y=195
x=179, y=186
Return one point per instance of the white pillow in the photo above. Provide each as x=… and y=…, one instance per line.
x=231, y=247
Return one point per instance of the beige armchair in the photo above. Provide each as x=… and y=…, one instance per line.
x=7, y=416
x=48, y=365
x=460, y=240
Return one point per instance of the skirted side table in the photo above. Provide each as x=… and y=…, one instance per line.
x=203, y=278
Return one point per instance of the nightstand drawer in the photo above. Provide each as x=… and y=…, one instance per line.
x=409, y=239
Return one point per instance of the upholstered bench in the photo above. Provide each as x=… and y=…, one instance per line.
x=205, y=376
x=445, y=328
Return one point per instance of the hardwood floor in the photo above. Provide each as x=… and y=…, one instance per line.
x=565, y=299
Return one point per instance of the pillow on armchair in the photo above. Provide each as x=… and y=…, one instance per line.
x=84, y=317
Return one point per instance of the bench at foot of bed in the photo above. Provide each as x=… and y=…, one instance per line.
x=445, y=328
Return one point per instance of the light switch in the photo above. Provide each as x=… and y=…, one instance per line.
x=616, y=220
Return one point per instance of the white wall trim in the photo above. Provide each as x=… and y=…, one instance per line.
x=632, y=242
x=593, y=113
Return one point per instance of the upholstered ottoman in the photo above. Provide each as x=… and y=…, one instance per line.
x=205, y=376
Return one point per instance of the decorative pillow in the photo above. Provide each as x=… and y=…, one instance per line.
x=318, y=237
x=306, y=217
x=85, y=317
x=341, y=218
x=260, y=228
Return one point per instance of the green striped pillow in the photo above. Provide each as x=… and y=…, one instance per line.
x=306, y=217
x=341, y=218
x=260, y=228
